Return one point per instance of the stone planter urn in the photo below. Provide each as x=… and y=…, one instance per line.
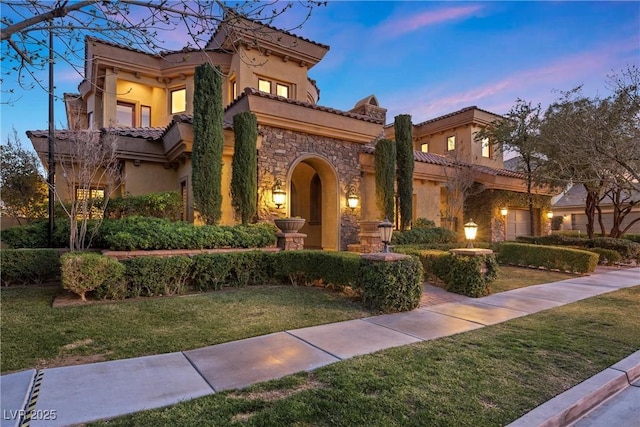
x=289, y=225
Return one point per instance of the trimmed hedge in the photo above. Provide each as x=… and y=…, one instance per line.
x=29, y=266
x=86, y=271
x=390, y=286
x=145, y=233
x=607, y=256
x=305, y=267
x=625, y=247
x=385, y=286
x=550, y=257
x=159, y=205
x=153, y=276
x=435, y=235
x=460, y=274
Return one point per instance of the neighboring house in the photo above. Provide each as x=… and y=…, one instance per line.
x=570, y=207
x=318, y=153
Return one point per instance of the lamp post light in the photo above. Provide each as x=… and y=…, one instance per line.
x=352, y=198
x=470, y=232
x=386, y=231
x=278, y=194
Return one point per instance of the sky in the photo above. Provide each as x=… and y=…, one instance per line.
x=431, y=58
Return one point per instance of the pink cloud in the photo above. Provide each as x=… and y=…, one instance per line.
x=406, y=24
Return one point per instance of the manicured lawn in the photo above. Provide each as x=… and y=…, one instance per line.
x=486, y=377
x=36, y=335
x=515, y=277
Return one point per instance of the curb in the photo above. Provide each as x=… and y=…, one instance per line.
x=569, y=406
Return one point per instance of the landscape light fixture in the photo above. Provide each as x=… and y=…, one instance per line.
x=278, y=194
x=352, y=198
x=470, y=232
x=386, y=231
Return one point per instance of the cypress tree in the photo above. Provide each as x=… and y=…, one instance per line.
x=404, y=159
x=385, y=164
x=244, y=182
x=208, y=141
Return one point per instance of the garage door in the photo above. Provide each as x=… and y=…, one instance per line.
x=518, y=223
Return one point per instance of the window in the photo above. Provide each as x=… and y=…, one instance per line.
x=264, y=85
x=145, y=116
x=90, y=119
x=178, y=101
x=125, y=114
x=233, y=85
x=486, y=149
x=424, y=148
x=282, y=90
x=93, y=194
x=315, y=201
x=451, y=143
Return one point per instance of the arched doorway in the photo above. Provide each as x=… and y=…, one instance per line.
x=314, y=197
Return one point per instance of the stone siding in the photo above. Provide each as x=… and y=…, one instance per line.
x=281, y=148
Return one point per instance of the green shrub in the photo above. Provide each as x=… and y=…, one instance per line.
x=29, y=266
x=85, y=271
x=251, y=268
x=390, y=286
x=464, y=275
x=435, y=235
x=159, y=205
x=625, y=247
x=211, y=271
x=633, y=237
x=36, y=235
x=304, y=267
x=607, y=256
x=460, y=274
x=424, y=223
x=141, y=233
x=152, y=276
x=550, y=257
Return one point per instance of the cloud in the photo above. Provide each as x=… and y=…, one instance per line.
x=537, y=85
x=398, y=26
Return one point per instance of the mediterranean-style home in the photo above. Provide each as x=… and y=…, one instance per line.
x=319, y=155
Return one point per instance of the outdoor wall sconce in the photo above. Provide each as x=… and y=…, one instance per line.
x=386, y=231
x=550, y=214
x=470, y=232
x=504, y=211
x=278, y=194
x=352, y=198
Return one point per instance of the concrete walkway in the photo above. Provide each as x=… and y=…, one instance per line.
x=77, y=394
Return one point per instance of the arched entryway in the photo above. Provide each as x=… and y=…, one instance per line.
x=313, y=193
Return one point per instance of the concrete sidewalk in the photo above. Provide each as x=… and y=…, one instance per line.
x=77, y=394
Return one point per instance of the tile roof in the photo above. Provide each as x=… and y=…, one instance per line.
x=440, y=160
x=159, y=54
x=148, y=133
x=255, y=92
x=271, y=28
x=463, y=110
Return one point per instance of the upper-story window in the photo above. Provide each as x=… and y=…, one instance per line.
x=424, y=147
x=264, y=85
x=282, y=90
x=486, y=148
x=178, y=101
x=451, y=143
x=125, y=114
x=274, y=87
x=233, y=88
x=145, y=116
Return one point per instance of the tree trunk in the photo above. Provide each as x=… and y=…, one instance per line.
x=590, y=210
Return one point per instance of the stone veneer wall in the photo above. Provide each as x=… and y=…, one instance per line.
x=280, y=148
